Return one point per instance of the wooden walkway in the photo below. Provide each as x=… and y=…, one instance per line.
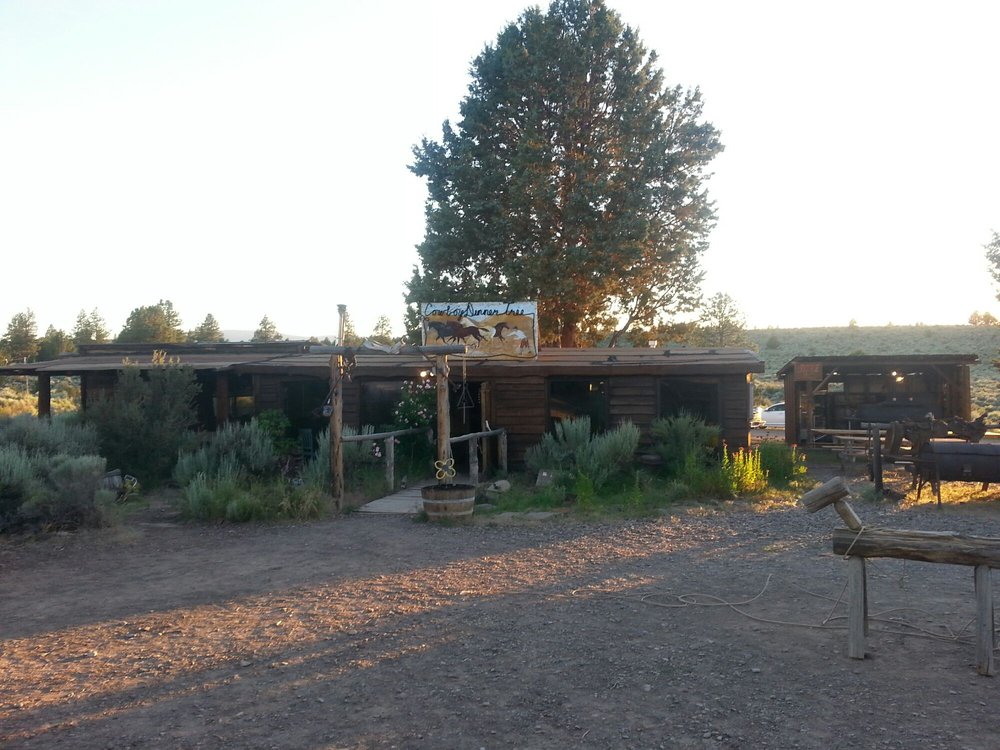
x=406, y=501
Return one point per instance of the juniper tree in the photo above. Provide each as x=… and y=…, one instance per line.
x=266, y=332
x=575, y=177
x=157, y=324
x=90, y=329
x=20, y=342
x=208, y=332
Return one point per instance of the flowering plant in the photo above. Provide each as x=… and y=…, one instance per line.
x=417, y=404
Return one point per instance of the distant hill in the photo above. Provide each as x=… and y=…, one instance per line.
x=778, y=346
x=238, y=335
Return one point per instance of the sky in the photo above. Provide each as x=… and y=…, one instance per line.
x=244, y=158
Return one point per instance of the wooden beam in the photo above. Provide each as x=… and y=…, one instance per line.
x=926, y=546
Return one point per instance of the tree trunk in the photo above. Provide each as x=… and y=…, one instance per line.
x=567, y=336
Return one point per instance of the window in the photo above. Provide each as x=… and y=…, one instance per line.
x=696, y=397
x=575, y=398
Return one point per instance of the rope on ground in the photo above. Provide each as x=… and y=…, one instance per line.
x=901, y=627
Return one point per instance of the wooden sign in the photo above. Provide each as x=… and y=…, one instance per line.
x=810, y=371
x=487, y=329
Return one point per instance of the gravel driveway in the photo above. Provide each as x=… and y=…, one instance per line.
x=704, y=628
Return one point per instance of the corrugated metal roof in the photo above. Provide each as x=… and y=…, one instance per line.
x=881, y=360
x=583, y=361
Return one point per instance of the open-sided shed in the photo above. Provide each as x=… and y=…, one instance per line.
x=852, y=392
x=523, y=396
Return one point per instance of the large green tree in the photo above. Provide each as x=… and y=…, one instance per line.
x=156, y=324
x=20, y=342
x=575, y=178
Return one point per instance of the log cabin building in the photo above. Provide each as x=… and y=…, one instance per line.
x=239, y=380
x=852, y=392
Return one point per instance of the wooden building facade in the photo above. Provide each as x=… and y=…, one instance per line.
x=852, y=392
x=525, y=397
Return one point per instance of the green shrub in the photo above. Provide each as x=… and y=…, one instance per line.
x=558, y=449
x=592, y=460
x=234, y=478
x=608, y=453
x=207, y=497
x=278, y=429
x=683, y=440
x=316, y=472
x=144, y=423
x=248, y=446
x=60, y=434
x=782, y=463
x=58, y=491
x=230, y=497
x=71, y=499
x=19, y=483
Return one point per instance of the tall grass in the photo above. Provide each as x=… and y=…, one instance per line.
x=743, y=472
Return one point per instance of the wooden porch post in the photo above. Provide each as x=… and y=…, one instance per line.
x=44, y=395
x=221, y=398
x=443, y=418
x=336, y=429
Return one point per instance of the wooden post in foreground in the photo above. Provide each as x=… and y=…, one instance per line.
x=984, y=621
x=857, y=607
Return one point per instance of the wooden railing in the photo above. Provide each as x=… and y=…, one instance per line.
x=473, y=439
x=390, y=448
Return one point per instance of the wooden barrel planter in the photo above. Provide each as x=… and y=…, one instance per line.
x=448, y=501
